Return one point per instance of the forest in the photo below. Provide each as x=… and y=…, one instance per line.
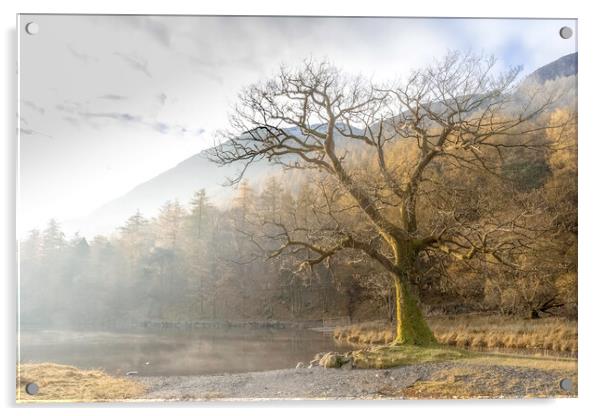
x=463, y=187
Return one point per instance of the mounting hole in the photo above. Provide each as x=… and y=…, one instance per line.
x=31, y=388
x=566, y=384
x=32, y=28
x=566, y=32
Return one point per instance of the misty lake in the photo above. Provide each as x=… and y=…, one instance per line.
x=177, y=351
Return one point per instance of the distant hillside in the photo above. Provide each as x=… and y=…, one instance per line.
x=562, y=67
x=179, y=182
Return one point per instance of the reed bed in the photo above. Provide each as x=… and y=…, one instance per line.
x=481, y=332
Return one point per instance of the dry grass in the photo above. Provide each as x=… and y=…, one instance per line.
x=479, y=332
x=473, y=375
x=493, y=376
x=62, y=383
x=561, y=365
x=471, y=383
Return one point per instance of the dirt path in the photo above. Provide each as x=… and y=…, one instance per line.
x=462, y=378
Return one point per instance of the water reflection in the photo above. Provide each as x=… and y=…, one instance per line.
x=177, y=351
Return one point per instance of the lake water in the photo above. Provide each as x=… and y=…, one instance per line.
x=177, y=351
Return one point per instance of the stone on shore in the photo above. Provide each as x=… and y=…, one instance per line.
x=336, y=360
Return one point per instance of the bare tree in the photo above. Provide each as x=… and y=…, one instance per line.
x=458, y=111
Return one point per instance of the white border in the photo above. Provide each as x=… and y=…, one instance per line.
x=590, y=155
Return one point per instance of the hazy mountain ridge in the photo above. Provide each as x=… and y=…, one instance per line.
x=179, y=182
x=562, y=67
x=198, y=171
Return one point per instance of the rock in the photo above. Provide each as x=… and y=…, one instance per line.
x=386, y=373
x=300, y=365
x=319, y=356
x=347, y=366
x=131, y=373
x=334, y=360
x=329, y=360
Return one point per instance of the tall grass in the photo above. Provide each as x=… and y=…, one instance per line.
x=478, y=332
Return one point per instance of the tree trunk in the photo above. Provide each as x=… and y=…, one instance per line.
x=411, y=328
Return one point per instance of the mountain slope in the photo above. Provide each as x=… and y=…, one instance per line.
x=179, y=182
x=562, y=67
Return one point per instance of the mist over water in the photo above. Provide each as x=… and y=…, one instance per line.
x=176, y=352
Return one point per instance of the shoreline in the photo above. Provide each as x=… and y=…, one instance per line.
x=460, y=378
x=475, y=376
x=196, y=324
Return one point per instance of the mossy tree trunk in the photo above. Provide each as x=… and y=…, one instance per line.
x=411, y=327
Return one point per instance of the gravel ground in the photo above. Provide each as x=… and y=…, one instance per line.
x=321, y=383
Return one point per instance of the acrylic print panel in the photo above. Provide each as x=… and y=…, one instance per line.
x=219, y=207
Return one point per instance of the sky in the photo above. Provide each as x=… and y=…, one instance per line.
x=108, y=102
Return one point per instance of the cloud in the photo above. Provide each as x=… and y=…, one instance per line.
x=174, y=129
x=161, y=127
x=157, y=30
x=77, y=112
x=125, y=117
x=135, y=63
x=26, y=131
x=34, y=106
x=81, y=56
x=152, y=26
x=71, y=120
x=205, y=68
x=68, y=106
x=31, y=132
x=113, y=97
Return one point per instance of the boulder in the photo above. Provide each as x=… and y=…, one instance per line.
x=336, y=360
x=319, y=356
x=329, y=360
